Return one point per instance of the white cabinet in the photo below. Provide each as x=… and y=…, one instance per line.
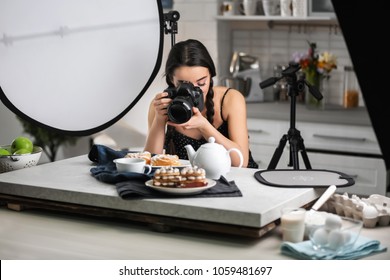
x=264, y=136
x=369, y=173
x=349, y=149
x=337, y=137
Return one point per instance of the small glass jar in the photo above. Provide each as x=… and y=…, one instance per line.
x=351, y=88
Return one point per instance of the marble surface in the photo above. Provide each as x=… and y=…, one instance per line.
x=70, y=181
x=331, y=114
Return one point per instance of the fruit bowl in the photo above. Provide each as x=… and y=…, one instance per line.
x=14, y=162
x=336, y=235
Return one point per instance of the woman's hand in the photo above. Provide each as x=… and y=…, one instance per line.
x=160, y=103
x=197, y=121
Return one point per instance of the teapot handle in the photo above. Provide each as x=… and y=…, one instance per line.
x=239, y=154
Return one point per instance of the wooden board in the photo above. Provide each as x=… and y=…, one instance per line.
x=155, y=222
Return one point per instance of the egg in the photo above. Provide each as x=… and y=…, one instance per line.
x=320, y=236
x=333, y=222
x=347, y=236
x=336, y=239
x=370, y=212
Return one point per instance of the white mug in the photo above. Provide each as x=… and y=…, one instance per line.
x=137, y=165
x=249, y=7
x=286, y=8
x=271, y=7
x=299, y=8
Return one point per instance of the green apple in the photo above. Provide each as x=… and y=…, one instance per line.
x=22, y=144
x=4, y=152
x=22, y=152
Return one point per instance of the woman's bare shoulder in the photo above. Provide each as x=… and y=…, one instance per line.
x=232, y=95
x=222, y=89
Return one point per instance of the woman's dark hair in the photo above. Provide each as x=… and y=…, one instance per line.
x=192, y=53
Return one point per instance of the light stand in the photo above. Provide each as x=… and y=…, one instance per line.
x=170, y=24
x=294, y=135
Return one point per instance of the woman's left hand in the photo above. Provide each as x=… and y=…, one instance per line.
x=195, y=122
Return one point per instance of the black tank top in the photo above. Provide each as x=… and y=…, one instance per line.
x=176, y=141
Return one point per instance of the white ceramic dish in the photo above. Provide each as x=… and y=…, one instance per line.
x=182, y=191
x=14, y=162
x=184, y=163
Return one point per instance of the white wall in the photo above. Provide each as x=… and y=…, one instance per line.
x=197, y=20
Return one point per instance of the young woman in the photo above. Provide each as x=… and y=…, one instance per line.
x=223, y=116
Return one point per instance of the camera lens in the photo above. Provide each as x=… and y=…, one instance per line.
x=179, y=111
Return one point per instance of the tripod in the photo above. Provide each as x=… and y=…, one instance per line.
x=293, y=135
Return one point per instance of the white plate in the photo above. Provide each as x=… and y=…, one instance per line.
x=182, y=191
x=184, y=163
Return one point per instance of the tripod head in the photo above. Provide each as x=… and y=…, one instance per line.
x=295, y=84
x=170, y=24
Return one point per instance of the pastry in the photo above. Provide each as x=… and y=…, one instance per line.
x=173, y=177
x=165, y=160
x=144, y=155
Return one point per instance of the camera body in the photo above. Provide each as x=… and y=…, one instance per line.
x=184, y=98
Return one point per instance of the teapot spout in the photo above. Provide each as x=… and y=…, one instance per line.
x=190, y=152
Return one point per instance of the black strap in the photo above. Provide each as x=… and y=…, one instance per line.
x=223, y=98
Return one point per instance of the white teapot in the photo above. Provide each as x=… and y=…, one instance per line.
x=213, y=158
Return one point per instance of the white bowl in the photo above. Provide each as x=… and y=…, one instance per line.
x=336, y=235
x=14, y=162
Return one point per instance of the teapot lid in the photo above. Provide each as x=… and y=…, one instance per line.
x=211, y=143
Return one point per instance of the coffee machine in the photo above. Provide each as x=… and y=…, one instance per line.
x=246, y=67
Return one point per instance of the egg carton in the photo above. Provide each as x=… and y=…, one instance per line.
x=373, y=211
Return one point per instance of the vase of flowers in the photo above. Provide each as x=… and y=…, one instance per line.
x=317, y=68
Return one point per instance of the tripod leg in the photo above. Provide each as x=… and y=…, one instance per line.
x=305, y=157
x=278, y=153
x=294, y=152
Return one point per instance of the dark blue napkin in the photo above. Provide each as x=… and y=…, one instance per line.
x=104, y=155
x=105, y=170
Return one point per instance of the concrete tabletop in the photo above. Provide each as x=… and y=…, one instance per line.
x=70, y=181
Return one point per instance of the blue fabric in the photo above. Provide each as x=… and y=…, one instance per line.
x=105, y=169
x=363, y=247
x=104, y=155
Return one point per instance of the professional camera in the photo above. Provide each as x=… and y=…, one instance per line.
x=185, y=96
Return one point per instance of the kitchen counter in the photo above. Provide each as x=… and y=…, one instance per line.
x=37, y=235
x=331, y=115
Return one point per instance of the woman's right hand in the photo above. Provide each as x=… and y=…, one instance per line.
x=160, y=103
